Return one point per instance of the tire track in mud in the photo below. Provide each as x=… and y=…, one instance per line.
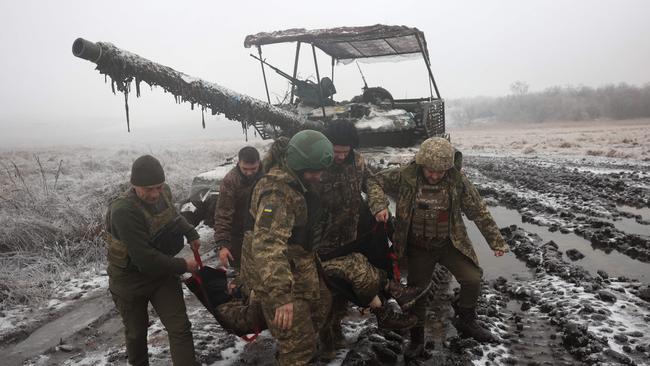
x=596, y=319
x=557, y=315
x=561, y=195
x=62, y=327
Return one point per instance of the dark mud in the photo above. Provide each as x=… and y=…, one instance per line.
x=597, y=319
x=593, y=259
x=568, y=294
x=572, y=198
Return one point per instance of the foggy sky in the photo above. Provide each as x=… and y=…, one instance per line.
x=476, y=47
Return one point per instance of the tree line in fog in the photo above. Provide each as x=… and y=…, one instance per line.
x=559, y=103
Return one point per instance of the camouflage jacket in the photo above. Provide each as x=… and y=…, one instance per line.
x=284, y=268
x=402, y=184
x=340, y=189
x=232, y=207
x=131, y=225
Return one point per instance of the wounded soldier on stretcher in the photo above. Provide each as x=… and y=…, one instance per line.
x=238, y=312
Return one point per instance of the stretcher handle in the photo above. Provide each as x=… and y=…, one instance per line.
x=197, y=257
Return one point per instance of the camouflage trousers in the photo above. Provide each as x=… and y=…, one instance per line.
x=365, y=279
x=247, y=274
x=331, y=334
x=298, y=345
x=132, y=292
x=241, y=316
x=421, y=263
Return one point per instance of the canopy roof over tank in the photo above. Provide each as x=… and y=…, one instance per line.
x=348, y=43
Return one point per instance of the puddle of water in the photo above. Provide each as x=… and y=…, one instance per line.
x=507, y=266
x=614, y=263
x=630, y=226
x=643, y=211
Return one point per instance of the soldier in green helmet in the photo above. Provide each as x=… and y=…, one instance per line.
x=143, y=233
x=431, y=194
x=284, y=277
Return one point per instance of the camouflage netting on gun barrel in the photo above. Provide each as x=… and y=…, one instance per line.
x=124, y=67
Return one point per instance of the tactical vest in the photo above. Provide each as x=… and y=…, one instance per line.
x=341, y=190
x=430, y=222
x=310, y=234
x=117, y=251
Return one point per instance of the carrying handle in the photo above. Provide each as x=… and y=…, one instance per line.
x=197, y=258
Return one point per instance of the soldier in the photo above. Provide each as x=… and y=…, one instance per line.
x=287, y=216
x=431, y=194
x=143, y=233
x=233, y=205
x=341, y=188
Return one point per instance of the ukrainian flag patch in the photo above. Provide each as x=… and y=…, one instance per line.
x=266, y=218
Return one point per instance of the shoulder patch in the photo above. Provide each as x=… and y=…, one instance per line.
x=266, y=219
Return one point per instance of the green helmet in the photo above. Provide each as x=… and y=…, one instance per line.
x=435, y=153
x=309, y=149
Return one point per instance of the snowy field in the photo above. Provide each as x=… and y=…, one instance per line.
x=572, y=184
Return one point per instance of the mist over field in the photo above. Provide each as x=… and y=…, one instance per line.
x=477, y=49
x=549, y=103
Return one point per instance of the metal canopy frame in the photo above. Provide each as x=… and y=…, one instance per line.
x=349, y=43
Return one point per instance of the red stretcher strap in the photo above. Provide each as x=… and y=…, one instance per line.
x=248, y=338
x=199, y=280
x=197, y=258
x=391, y=256
x=195, y=275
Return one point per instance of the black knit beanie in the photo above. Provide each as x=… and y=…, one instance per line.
x=147, y=171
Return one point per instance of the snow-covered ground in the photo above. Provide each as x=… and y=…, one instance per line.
x=533, y=311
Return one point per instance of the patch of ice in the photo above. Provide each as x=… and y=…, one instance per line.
x=231, y=353
x=188, y=207
x=6, y=322
x=627, y=313
x=206, y=232
x=82, y=285
x=41, y=360
x=90, y=359
x=380, y=120
x=490, y=349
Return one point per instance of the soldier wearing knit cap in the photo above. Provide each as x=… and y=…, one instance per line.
x=143, y=233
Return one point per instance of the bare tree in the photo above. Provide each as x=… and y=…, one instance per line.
x=519, y=88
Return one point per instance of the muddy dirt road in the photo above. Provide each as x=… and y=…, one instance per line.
x=574, y=290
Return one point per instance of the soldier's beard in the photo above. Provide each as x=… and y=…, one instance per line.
x=434, y=181
x=150, y=200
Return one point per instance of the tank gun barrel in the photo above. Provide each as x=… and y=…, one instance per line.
x=124, y=67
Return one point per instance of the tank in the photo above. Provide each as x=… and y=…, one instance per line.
x=381, y=119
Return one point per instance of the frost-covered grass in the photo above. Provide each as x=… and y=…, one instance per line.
x=628, y=139
x=52, y=204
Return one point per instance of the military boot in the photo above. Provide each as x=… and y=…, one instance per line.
x=338, y=339
x=467, y=326
x=416, y=347
x=406, y=296
x=390, y=320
